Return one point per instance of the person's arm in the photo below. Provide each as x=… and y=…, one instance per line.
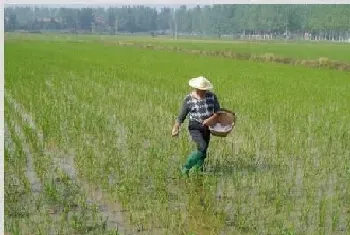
x=211, y=120
x=181, y=117
x=217, y=106
x=183, y=112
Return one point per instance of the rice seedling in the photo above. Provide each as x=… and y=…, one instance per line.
x=99, y=117
x=302, y=50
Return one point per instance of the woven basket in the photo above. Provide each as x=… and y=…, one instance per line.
x=225, y=117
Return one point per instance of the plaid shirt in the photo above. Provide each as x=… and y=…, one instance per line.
x=199, y=109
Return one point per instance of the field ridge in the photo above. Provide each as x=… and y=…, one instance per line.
x=322, y=62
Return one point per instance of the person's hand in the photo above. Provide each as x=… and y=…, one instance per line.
x=211, y=120
x=175, y=131
x=208, y=122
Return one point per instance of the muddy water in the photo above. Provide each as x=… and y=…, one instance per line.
x=111, y=211
x=33, y=179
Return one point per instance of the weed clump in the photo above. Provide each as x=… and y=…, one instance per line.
x=268, y=57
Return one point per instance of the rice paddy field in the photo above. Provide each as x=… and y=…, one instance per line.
x=296, y=50
x=88, y=146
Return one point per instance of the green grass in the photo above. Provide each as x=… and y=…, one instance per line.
x=284, y=170
x=296, y=50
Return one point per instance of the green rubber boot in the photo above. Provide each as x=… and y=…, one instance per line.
x=191, y=161
x=199, y=165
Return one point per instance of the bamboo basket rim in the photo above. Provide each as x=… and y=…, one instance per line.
x=232, y=114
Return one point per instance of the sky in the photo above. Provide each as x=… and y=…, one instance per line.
x=107, y=3
x=116, y=2
x=169, y=2
x=158, y=6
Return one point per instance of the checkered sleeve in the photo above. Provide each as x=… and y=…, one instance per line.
x=216, y=104
x=184, y=111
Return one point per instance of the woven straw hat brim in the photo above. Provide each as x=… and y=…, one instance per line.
x=194, y=84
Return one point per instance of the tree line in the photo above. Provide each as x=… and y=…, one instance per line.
x=325, y=21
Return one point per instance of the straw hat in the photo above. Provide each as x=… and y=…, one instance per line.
x=200, y=83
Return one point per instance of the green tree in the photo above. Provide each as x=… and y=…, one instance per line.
x=86, y=18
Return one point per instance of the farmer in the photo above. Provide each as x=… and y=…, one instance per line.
x=202, y=106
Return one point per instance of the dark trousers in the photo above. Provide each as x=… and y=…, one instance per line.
x=201, y=136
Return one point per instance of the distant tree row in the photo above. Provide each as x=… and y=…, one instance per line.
x=326, y=21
